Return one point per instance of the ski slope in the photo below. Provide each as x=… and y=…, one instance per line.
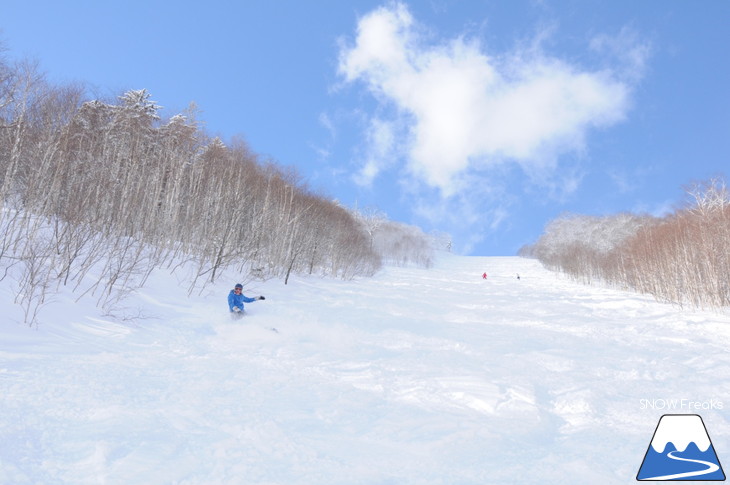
x=411, y=377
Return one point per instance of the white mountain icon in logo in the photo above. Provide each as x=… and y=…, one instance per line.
x=681, y=450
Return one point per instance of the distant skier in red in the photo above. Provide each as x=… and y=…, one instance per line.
x=484, y=276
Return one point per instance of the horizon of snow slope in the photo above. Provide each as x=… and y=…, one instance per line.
x=414, y=376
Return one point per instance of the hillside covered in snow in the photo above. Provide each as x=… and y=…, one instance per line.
x=414, y=376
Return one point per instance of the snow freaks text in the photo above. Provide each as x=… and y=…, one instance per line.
x=680, y=404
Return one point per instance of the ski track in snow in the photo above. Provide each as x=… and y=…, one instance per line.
x=412, y=376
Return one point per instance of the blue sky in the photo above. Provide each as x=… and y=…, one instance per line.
x=483, y=119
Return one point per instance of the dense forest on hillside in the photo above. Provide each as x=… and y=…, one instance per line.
x=108, y=188
x=683, y=258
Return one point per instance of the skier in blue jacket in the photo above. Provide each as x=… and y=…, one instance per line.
x=236, y=299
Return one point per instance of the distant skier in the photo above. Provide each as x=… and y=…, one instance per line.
x=484, y=276
x=236, y=299
x=518, y=276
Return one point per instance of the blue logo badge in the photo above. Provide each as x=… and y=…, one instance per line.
x=681, y=450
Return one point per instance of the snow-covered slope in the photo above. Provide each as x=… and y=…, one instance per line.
x=412, y=377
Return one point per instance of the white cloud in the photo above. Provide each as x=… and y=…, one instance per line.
x=627, y=50
x=466, y=111
x=381, y=145
x=327, y=123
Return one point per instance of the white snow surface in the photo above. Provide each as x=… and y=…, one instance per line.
x=414, y=376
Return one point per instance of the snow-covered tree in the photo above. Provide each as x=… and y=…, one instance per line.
x=682, y=258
